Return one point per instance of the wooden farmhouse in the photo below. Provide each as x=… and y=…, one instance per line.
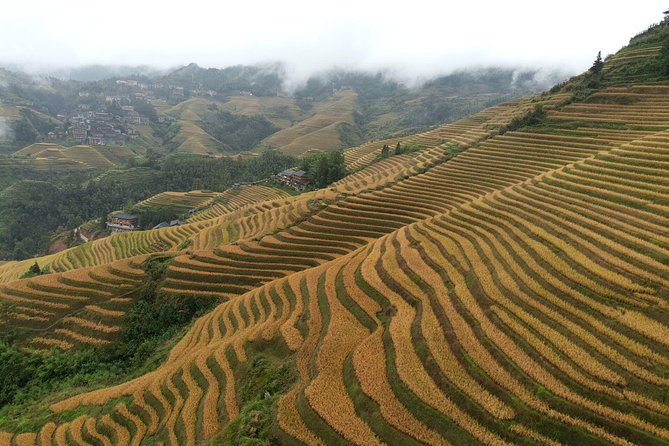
x=122, y=222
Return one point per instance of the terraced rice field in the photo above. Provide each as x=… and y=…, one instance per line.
x=191, y=138
x=179, y=201
x=35, y=149
x=460, y=134
x=85, y=156
x=516, y=292
x=642, y=107
x=534, y=311
x=80, y=307
x=355, y=220
x=237, y=198
x=630, y=65
x=124, y=245
x=320, y=130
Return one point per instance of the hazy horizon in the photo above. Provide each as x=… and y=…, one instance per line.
x=426, y=40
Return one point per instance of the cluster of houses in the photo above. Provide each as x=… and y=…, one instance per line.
x=102, y=128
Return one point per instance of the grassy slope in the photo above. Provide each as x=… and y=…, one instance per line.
x=191, y=138
x=101, y=157
x=282, y=112
x=320, y=130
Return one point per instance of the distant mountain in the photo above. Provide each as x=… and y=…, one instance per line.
x=259, y=80
x=377, y=106
x=90, y=73
x=243, y=108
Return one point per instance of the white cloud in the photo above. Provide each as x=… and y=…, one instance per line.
x=411, y=38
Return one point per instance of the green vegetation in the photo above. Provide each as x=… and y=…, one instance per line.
x=34, y=271
x=398, y=150
x=148, y=217
x=324, y=168
x=664, y=57
x=531, y=118
x=598, y=64
x=238, y=132
x=257, y=80
x=154, y=315
x=263, y=380
x=166, y=131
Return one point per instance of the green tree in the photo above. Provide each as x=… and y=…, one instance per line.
x=24, y=132
x=324, y=168
x=129, y=205
x=598, y=64
x=16, y=370
x=664, y=57
x=34, y=269
x=398, y=148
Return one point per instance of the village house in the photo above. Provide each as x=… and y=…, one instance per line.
x=132, y=117
x=297, y=179
x=122, y=222
x=131, y=132
x=78, y=132
x=102, y=117
x=169, y=224
x=101, y=133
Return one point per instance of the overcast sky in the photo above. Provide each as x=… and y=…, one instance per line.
x=413, y=37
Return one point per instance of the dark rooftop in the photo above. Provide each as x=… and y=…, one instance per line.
x=124, y=216
x=291, y=172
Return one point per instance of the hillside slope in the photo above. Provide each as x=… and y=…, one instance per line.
x=101, y=157
x=506, y=284
x=322, y=131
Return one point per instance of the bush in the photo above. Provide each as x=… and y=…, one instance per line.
x=263, y=383
x=532, y=117
x=33, y=271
